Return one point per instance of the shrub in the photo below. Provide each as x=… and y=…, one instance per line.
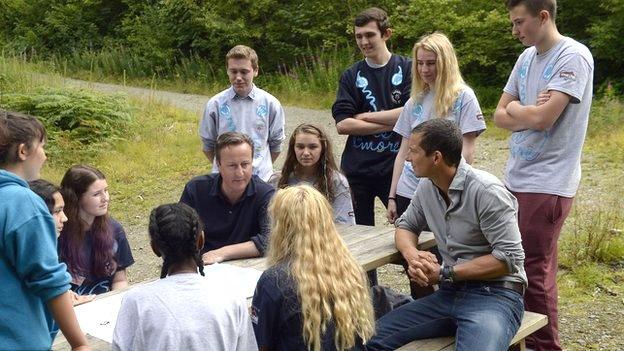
x=595, y=236
x=74, y=118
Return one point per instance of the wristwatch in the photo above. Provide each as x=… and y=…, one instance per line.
x=447, y=274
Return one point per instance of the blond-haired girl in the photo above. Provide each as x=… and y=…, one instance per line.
x=315, y=295
x=438, y=91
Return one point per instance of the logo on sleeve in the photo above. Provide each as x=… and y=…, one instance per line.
x=568, y=75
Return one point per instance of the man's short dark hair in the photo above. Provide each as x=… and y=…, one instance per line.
x=535, y=6
x=442, y=135
x=373, y=14
x=231, y=139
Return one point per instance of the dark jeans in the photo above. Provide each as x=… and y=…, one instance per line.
x=540, y=218
x=481, y=317
x=364, y=191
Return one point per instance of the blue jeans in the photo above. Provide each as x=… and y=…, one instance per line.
x=481, y=318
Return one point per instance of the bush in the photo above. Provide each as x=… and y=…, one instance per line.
x=595, y=237
x=607, y=114
x=74, y=118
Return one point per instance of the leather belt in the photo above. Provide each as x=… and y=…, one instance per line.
x=515, y=286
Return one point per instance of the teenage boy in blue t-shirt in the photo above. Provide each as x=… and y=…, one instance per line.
x=370, y=97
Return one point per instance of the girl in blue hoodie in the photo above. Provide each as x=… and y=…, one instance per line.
x=34, y=284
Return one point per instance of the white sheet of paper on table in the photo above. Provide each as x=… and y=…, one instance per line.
x=237, y=281
x=98, y=318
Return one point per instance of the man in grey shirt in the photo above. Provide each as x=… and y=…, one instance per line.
x=473, y=218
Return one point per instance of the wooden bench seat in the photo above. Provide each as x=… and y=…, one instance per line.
x=530, y=323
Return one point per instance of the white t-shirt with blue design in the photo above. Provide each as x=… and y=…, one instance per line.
x=549, y=162
x=466, y=113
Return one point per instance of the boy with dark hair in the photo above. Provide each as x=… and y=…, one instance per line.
x=370, y=97
x=546, y=105
x=245, y=108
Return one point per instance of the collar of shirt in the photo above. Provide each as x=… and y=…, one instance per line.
x=231, y=93
x=215, y=189
x=457, y=185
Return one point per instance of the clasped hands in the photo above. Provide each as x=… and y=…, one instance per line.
x=422, y=267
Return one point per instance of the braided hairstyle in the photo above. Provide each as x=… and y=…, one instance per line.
x=174, y=229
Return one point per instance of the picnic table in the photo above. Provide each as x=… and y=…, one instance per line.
x=372, y=247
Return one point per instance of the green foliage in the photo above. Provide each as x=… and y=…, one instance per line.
x=479, y=30
x=596, y=235
x=607, y=42
x=607, y=114
x=186, y=40
x=75, y=118
x=58, y=26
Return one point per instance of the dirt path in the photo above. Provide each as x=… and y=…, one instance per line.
x=595, y=324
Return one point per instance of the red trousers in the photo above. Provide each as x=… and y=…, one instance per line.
x=541, y=217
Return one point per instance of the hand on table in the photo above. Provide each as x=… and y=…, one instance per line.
x=80, y=299
x=211, y=257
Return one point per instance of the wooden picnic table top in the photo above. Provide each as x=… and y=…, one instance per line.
x=372, y=246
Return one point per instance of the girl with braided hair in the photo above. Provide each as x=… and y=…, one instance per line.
x=182, y=310
x=310, y=160
x=314, y=295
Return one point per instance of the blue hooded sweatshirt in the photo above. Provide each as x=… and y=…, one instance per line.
x=30, y=272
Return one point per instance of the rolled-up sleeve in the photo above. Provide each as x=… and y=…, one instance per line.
x=413, y=219
x=261, y=240
x=499, y=224
x=345, y=104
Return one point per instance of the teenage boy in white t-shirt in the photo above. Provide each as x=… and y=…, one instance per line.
x=546, y=105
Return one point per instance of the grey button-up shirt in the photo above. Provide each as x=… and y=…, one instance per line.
x=480, y=220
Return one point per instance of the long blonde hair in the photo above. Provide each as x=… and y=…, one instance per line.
x=448, y=82
x=331, y=285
